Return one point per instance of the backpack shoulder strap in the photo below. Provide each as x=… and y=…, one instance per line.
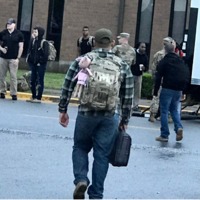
x=91, y=40
x=41, y=44
x=80, y=40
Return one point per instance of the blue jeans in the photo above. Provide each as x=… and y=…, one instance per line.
x=37, y=80
x=170, y=102
x=99, y=133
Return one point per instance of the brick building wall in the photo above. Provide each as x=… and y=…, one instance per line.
x=160, y=27
x=8, y=9
x=95, y=14
x=40, y=13
x=130, y=19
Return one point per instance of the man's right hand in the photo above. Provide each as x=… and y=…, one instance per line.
x=64, y=119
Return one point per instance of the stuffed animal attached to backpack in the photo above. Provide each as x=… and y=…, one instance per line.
x=83, y=74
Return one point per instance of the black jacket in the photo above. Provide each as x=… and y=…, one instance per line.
x=140, y=59
x=37, y=53
x=173, y=72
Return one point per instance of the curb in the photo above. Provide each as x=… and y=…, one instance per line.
x=47, y=98
x=53, y=98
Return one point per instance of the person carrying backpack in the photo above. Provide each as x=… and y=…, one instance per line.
x=174, y=75
x=37, y=59
x=85, y=43
x=96, y=123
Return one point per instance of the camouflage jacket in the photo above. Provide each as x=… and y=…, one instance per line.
x=126, y=53
x=158, y=56
x=126, y=89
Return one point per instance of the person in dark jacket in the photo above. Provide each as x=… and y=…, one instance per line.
x=12, y=43
x=174, y=75
x=37, y=59
x=137, y=69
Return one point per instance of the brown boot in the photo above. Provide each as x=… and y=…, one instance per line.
x=79, y=192
x=152, y=118
x=179, y=134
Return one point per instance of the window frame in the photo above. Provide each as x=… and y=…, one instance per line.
x=56, y=37
x=138, y=26
x=27, y=34
x=171, y=21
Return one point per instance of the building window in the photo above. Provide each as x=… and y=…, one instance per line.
x=144, y=22
x=26, y=15
x=25, y=21
x=55, y=20
x=178, y=19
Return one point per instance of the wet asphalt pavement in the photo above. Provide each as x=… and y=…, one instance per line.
x=35, y=153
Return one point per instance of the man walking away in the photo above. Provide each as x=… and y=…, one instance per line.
x=96, y=123
x=11, y=51
x=174, y=75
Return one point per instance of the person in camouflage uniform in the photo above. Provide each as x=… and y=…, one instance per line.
x=158, y=56
x=124, y=50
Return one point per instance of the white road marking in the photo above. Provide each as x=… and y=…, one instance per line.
x=73, y=120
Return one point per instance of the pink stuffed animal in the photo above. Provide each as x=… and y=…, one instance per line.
x=83, y=74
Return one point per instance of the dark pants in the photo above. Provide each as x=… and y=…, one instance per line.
x=37, y=80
